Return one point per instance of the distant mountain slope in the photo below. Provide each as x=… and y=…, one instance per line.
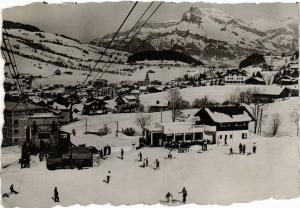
x=163, y=55
x=58, y=50
x=210, y=33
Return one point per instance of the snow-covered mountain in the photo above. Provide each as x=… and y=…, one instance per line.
x=209, y=33
x=57, y=50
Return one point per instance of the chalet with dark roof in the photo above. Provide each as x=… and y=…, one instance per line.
x=232, y=122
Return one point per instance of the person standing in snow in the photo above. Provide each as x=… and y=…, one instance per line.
x=244, y=149
x=122, y=154
x=156, y=164
x=147, y=161
x=56, y=197
x=230, y=151
x=108, y=150
x=170, y=155
x=140, y=157
x=184, y=195
x=101, y=153
x=105, y=150
x=254, y=148
x=108, y=177
x=12, y=190
x=241, y=148
x=168, y=195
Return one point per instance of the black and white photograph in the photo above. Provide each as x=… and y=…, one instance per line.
x=149, y=103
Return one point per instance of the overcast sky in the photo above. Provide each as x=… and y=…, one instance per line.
x=90, y=20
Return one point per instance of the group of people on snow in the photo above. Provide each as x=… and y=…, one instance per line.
x=242, y=149
x=105, y=151
x=183, y=192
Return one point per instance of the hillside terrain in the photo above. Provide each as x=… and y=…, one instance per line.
x=209, y=33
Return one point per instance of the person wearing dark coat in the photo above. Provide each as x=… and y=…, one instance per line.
x=147, y=161
x=244, y=149
x=184, y=195
x=168, y=195
x=108, y=177
x=12, y=190
x=254, y=148
x=140, y=157
x=122, y=154
x=108, y=149
x=156, y=164
x=241, y=148
x=230, y=151
x=56, y=197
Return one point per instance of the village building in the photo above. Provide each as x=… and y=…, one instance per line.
x=158, y=106
x=94, y=105
x=231, y=122
x=16, y=121
x=269, y=95
x=235, y=76
x=214, y=124
x=127, y=104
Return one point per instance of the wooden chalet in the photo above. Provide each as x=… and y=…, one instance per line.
x=269, y=95
x=231, y=122
x=94, y=105
x=127, y=104
x=235, y=76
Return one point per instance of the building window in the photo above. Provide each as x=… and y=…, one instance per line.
x=230, y=136
x=244, y=135
x=16, y=123
x=220, y=136
x=226, y=136
x=16, y=131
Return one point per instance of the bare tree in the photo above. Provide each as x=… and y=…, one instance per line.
x=143, y=120
x=175, y=102
x=275, y=123
x=295, y=119
x=247, y=97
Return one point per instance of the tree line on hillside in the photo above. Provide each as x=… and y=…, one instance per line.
x=16, y=25
x=163, y=55
x=253, y=59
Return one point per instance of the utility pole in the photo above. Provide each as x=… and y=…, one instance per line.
x=86, y=124
x=117, y=128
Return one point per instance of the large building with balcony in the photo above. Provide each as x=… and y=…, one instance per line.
x=215, y=124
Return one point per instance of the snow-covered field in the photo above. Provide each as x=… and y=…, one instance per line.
x=47, y=71
x=209, y=177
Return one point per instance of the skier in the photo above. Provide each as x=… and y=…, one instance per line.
x=140, y=156
x=244, y=149
x=56, y=198
x=184, y=195
x=12, y=190
x=230, y=151
x=147, y=161
x=108, y=177
x=122, y=154
x=170, y=155
x=241, y=148
x=105, y=150
x=254, y=148
x=108, y=149
x=205, y=145
x=156, y=164
x=101, y=153
x=168, y=195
